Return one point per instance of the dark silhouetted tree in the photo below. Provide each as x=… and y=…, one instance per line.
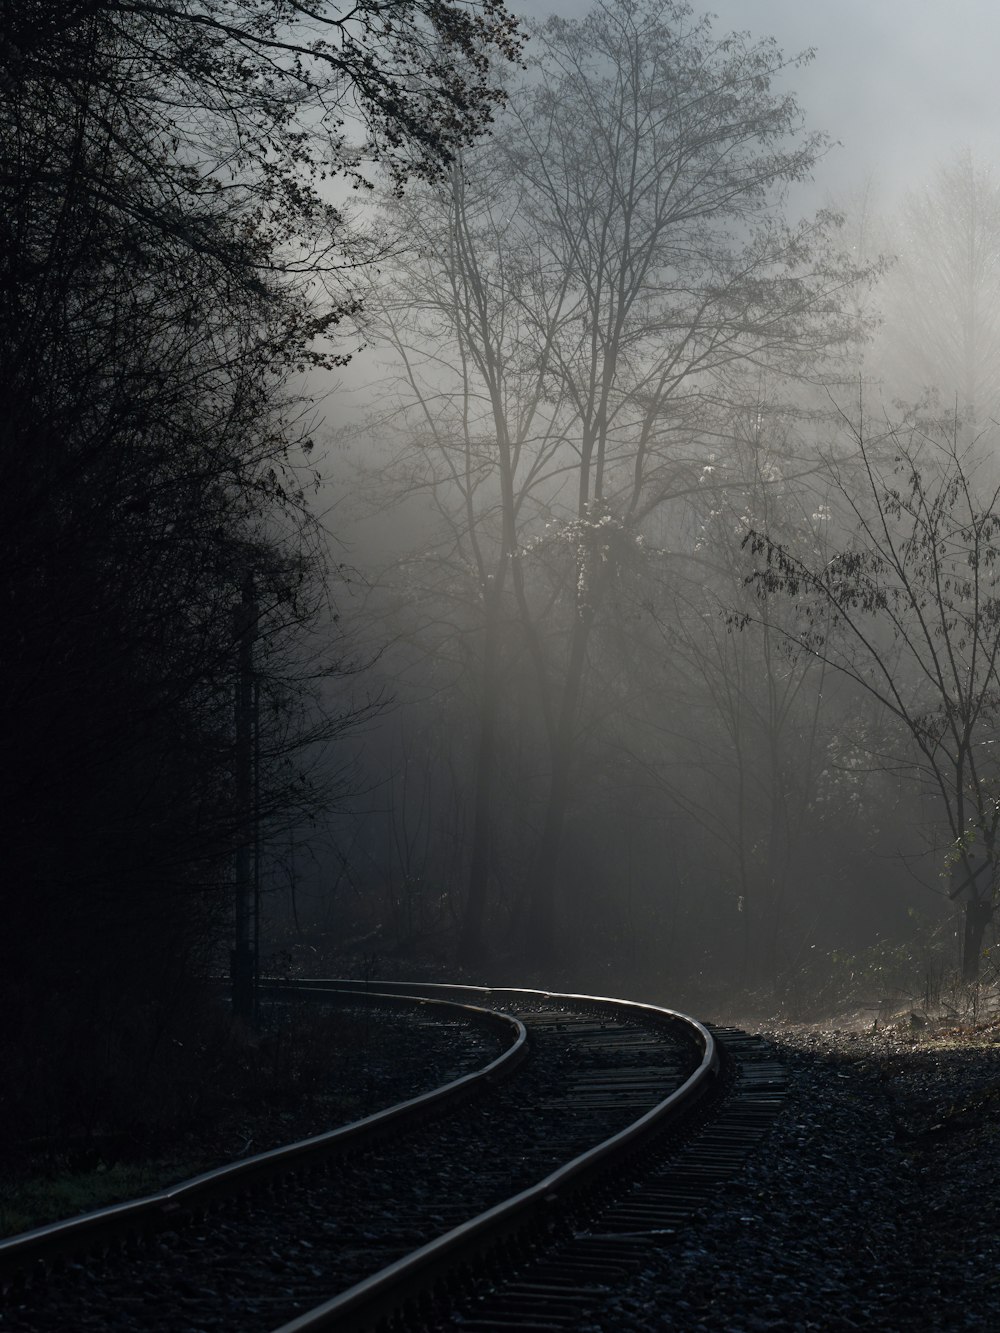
x=168, y=255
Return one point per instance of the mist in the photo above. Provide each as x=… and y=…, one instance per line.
x=546, y=534
x=512, y=503
x=608, y=746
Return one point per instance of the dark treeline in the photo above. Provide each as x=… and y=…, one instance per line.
x=170, y=258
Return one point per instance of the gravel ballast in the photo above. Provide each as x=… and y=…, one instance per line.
x=874, y=1203
x=347, y=1063
x=263, y=1259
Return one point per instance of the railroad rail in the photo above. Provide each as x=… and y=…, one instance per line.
x=94, y=1231
x=438, y=1212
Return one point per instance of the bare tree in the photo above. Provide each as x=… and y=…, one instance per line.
x=909, y=610
x=600, y=286
x=941, y=296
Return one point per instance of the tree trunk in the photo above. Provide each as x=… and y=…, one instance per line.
x=242, y=959
x=541, y=942
x=470, y=948
x=978, y=915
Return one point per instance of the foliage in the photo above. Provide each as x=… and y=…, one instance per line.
x=168, y=256
x=261, y=101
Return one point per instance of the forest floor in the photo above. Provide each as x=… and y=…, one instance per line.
x=304, y=1073
x=874, y=1204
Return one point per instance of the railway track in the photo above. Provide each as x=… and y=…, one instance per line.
x=513, y=1198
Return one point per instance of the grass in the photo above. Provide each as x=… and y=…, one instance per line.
x=307, y=1072
x=33, y=1203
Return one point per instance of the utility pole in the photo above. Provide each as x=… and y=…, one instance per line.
x=242, y=962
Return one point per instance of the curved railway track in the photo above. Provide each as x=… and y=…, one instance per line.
x=512, y=1198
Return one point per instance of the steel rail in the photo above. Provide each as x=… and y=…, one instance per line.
x=385, y=1292
x=112, y=1225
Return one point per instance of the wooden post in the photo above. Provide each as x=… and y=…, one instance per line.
x=243, y=969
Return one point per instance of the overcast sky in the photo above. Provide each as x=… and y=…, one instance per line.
x=901, y=83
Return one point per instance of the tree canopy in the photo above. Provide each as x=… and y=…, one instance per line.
x=170, y=251
x=578, y=316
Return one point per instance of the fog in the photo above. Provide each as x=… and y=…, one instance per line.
x=900, y=86
x=622, y=736
x=572, y=560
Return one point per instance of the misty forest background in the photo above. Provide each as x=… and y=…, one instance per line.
x=632, y=616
